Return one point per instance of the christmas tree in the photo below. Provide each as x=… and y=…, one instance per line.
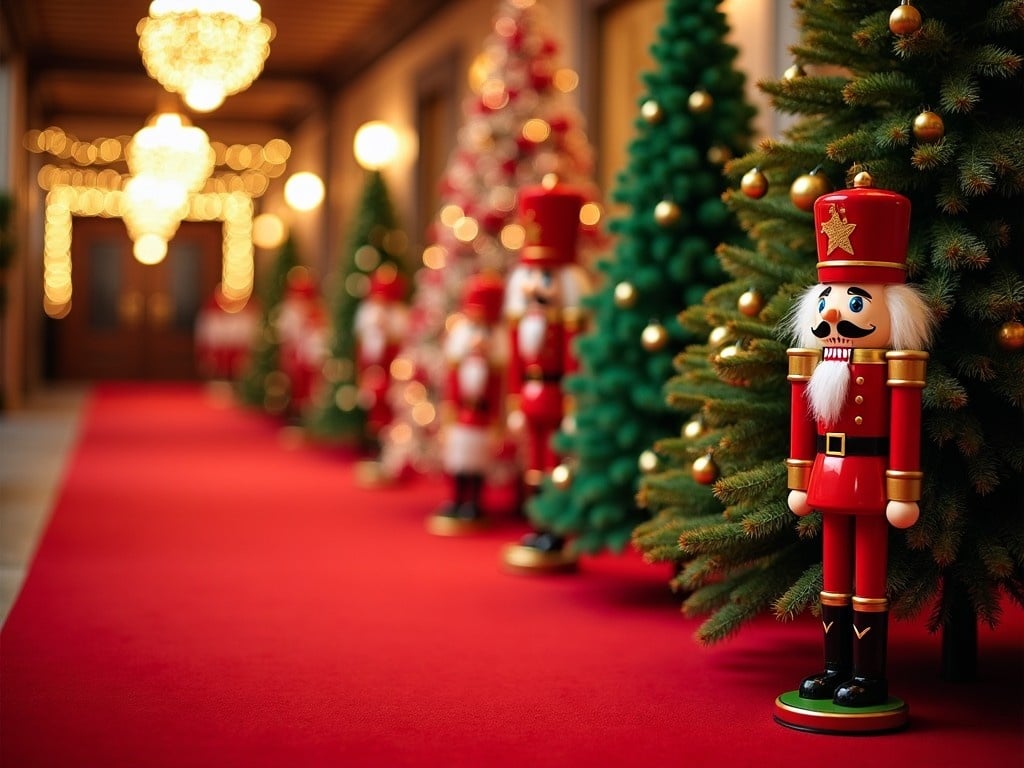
x=930, y=104
x=262, y=385
x=374, y=239
x=692, y=119
x=519, y=127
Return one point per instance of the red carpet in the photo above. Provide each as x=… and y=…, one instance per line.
x=207, y=596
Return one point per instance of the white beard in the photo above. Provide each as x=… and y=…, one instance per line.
x=473, y=377
x=532, y=328
x=827, y=390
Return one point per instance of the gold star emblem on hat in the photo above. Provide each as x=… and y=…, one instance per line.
x=838, y=231
x=532, y=228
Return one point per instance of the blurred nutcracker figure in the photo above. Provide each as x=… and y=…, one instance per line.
x=301, y=324
x=381, y=324
x=543, y=307
x=224, y=333
x=476, y=356
x=855, y=437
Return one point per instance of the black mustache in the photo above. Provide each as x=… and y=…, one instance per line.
x=845, y=328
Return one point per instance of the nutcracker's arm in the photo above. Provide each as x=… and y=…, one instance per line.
x=574, y=323
x=514, y=369
x=906, y=378
x=802, y=363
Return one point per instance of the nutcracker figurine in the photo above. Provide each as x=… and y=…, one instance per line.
x=856, y=382
x=300, y=322
x=543, y=307
x=381, y=322
x=476, y=357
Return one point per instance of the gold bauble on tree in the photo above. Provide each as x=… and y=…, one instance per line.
x=694, y=428
x=561, y=477
x=905, y=19
x=654, y=336
x=648, y=461
x=718, y=336
x=750, y=303
x=928, y=127
x=808, y=188
x=719, y=154
x=795, y=72
x=625, y=295
x=667, y=212
x=1011, y=336
x=700, y=102
x=651, y=112
x=704, y=470
x=754, y=184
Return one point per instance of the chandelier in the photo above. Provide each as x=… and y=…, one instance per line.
x=205, y=50
x=169, y=160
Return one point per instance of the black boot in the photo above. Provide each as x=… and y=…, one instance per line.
x=459, y=487
x=470, y=508
x=837, y=621
x=543, y=541
x=868, y=686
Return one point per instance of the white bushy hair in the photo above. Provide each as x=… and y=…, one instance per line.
x=573, y=281
x=913, y=321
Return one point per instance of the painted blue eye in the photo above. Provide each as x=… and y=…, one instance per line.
x=821, y=305
x=856, y=304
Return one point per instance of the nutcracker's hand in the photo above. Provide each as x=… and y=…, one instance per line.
x=516, y=422
x=902, y=514
x=797, y=501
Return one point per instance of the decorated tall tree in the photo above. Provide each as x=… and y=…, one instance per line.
x=261, y=386
x=374, y=239
x=692, y=118
x=520, y=125
x=930, y=103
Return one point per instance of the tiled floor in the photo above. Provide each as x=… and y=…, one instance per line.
x=34, y=445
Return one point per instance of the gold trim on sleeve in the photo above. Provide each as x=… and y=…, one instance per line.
x=903, y=485
x=798, y=471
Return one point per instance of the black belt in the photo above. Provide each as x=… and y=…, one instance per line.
x=550, y=378
x=841, y=444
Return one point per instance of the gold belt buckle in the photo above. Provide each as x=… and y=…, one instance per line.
x=831, y=439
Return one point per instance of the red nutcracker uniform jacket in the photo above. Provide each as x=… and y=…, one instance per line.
x=535, y=375
x=871, y=454
x=474, y=388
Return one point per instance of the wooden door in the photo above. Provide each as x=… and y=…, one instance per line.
x=130, y=320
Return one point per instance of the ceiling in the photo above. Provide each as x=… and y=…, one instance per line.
x=83, y=60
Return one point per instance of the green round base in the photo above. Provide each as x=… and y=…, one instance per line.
x=828, y=717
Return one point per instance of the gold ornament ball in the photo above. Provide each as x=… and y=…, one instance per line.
x=750, y=303
x=1011, y=336
x=754, y=184
x=666, y=212
x=794, y=72
x=728, y=352
x=625, y=295
x=719, y=155
x=718, y=336
x=654, y=337
x=648, y=461
x=651, y=112
x=704, y=470
x=808, y=188
x=561, y=477
x=693, y=429
x=700, y=102
x=928, y=127
x=904, y=20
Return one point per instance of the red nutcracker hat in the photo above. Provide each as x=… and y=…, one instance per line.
x=483, y=298
x=862, y=234
x=386, y=284
x=551, y=218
